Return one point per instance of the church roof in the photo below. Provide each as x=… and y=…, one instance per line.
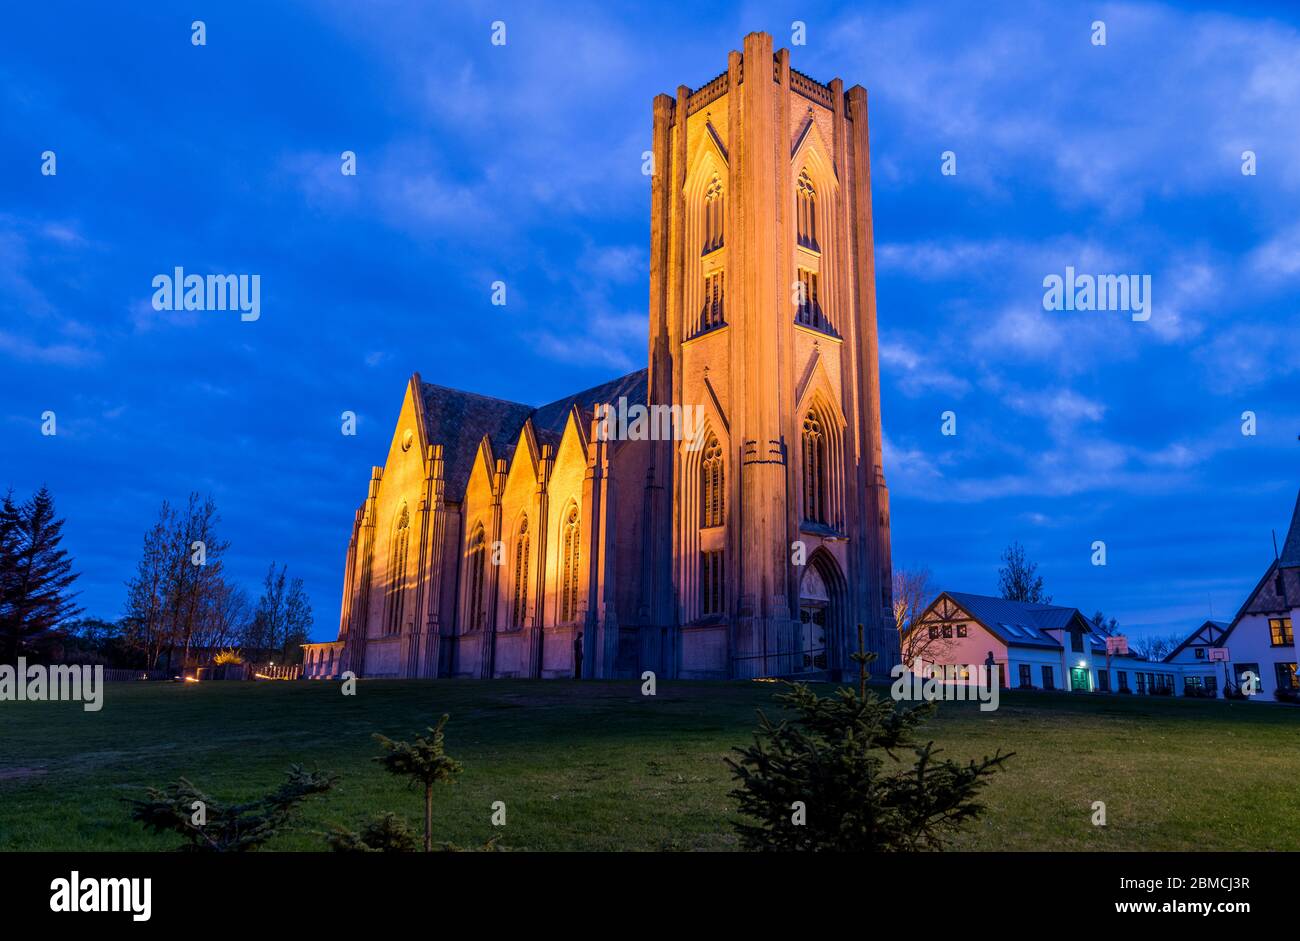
x=459, y=420
x=1290, y=557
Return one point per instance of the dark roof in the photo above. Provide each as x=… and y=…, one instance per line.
x=459, y=420
x=1290, y=557
x=1209, y=634
x=1018, y=622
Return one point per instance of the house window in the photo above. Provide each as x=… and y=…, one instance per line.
x=713, y=216
x=1191, y=682
x=1141, y=683
x=569, y=558
x=1026, y=676
x=712, y=583
x=1239, y=669
x=1279, y=632
x=814, y=469
x=1200, y=653
x=1076, y=641
x=520, y=612
x=1285, y=675
x=1103, y=681
x=713, y=314
x=806, y=211
x=809, y=310
x=712, y=482
x=1048, y=681
x=947, y=631
x=1122, y=676
x=1211, y=683
x=961, y=630
x=934, y=632
x=477, y=557
x=397, y=572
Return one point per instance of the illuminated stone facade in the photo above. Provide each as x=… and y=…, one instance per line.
x=500, y=540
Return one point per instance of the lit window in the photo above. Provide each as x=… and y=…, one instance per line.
x=397, y=572
x=712, y=483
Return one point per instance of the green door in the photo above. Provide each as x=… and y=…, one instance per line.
x=1079, y=679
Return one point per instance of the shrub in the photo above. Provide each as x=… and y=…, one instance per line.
x=209, y=825
x=1282, y=694
x=224, y=657
x=386, y=833
x=819, y=781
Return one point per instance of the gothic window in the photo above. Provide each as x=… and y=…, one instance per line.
x=806, y=211
x=520, y=611
x=397, y=572
x=814, y=469
x=809, y=312
x=569, y=558
x=715, y=299
x=713, y=598
x=712, y=484
x=713, y=208
x=477, y=557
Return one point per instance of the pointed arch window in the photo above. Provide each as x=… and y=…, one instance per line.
x=714, y=204
x=519, y=612
x=569, y=558
x=713, y=593
x=399, y=542
x=809, y=311
x=814, y=468
x=477, y=557
x=806, y=211
x=712, y=484
x=713, y=312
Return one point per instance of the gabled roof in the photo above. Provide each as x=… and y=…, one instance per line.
x=1290, y=557
x=1209, y=634
x=460, y=420
x=1020, y=623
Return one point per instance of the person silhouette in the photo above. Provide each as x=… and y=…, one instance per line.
x=577, y=656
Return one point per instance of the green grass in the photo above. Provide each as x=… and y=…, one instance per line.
x=596, y=766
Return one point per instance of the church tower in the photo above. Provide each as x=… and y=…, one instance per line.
x=763, y=321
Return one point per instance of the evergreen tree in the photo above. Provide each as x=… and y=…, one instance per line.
x=210, y=825
x=36, y=575
x=822, y=780
x=425, y=762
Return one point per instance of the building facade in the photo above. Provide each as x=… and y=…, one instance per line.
x=742, y=530
x=1260, y=639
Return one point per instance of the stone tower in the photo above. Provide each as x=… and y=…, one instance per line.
x=763, y=316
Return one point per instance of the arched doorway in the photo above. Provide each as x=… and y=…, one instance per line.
x=821, y=611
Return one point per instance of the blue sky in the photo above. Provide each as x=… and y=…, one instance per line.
x=523, y=163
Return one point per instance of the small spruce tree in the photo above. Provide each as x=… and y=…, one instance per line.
x=208, y=825
x=822, y=780
x=386, y=833
x=424, y=761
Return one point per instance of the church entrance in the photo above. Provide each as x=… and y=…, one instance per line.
x=814, y=605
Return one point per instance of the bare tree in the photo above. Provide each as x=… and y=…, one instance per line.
x=913, y=593
x=1156, y=647
x=283, y=618
x=1018, y=578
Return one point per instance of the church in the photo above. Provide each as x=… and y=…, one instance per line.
x=501, y=539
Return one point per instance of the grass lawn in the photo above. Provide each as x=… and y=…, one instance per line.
x=596, y=766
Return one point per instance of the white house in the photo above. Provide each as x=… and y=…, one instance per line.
x=1035, y=646
x=1260, y=639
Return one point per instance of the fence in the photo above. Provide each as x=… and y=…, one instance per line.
x=124, y=676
